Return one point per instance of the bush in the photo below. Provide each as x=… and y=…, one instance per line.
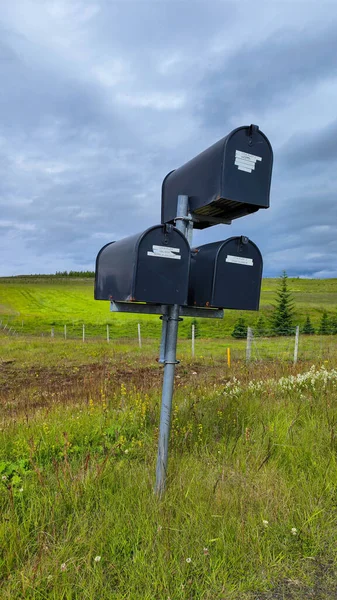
x=308, y=328
x=324, y=326
x=240, y=329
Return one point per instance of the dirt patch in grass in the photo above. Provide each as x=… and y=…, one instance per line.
x=24, y=389
x=323, y=585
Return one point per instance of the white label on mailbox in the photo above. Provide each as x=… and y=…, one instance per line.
x=239, y=260
x=165, y=252
x=246, y=162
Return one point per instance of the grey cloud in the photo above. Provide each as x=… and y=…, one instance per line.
x=94, y=118
x=260, y=76
x=308, y=147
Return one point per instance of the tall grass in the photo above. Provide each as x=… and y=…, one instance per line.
x=251, y=494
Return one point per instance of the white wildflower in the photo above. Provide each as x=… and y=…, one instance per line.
x=97, y=558
x=265, y=523
x=188, y=560
x=294, y=531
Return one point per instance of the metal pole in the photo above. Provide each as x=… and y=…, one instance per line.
x=249, y=343
x=107, y=333
x=189, y=233
x=139, y=337
x=65, y=332
x=83, y=332
x=297, y=335
x=163, y=339
x=169, y=368
x=193, y=336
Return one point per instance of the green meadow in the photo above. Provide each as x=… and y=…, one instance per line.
x=35, y=304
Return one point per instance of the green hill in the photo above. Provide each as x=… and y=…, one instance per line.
x=34, y=304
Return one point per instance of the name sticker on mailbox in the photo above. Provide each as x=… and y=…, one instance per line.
x=246, y=162
x=165, y=252
x=239, y=260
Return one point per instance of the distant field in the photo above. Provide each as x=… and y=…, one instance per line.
x=36, y=304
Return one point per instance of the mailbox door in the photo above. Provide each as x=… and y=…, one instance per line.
x=247, y=168
x=162, y=267
x=237, y=275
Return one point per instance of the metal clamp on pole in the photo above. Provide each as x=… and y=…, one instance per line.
x=187, y=218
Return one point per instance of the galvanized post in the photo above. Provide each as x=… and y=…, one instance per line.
x=193, y=338
x=107, y=333
x=297, y=335
x=249, y=343
x=139, y=337
x=83, y=332
x=65, y=332
x=189, y=233
x=169, y=367
x=163, y=339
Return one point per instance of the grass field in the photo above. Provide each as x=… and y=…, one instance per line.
x=251, y=498
x=250, y=511
x=34, y=305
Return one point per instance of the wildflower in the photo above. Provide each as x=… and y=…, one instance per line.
x=21, y=490
x=4, y=478
x=159, y=528
x=63, y=567
x=265, y=523
x=126, y=451
x=188, y=560
x=194, y=373
x=97, y=558
x=206, y=551
x=294, y=531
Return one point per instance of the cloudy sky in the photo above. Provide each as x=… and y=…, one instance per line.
x=99, y=99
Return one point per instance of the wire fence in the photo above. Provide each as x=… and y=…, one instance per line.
x=251, y=345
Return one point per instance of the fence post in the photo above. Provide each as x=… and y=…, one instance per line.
x=193, y=338
x=249, y=343
x=65, y=332
x=52, y=332
x=83, y=332
x=228, y=357
x=139, y=336
x=297, y=335
x=107, y=333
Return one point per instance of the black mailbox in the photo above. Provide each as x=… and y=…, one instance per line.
x=152, y=266
x=226, y=275
x=230, y=179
